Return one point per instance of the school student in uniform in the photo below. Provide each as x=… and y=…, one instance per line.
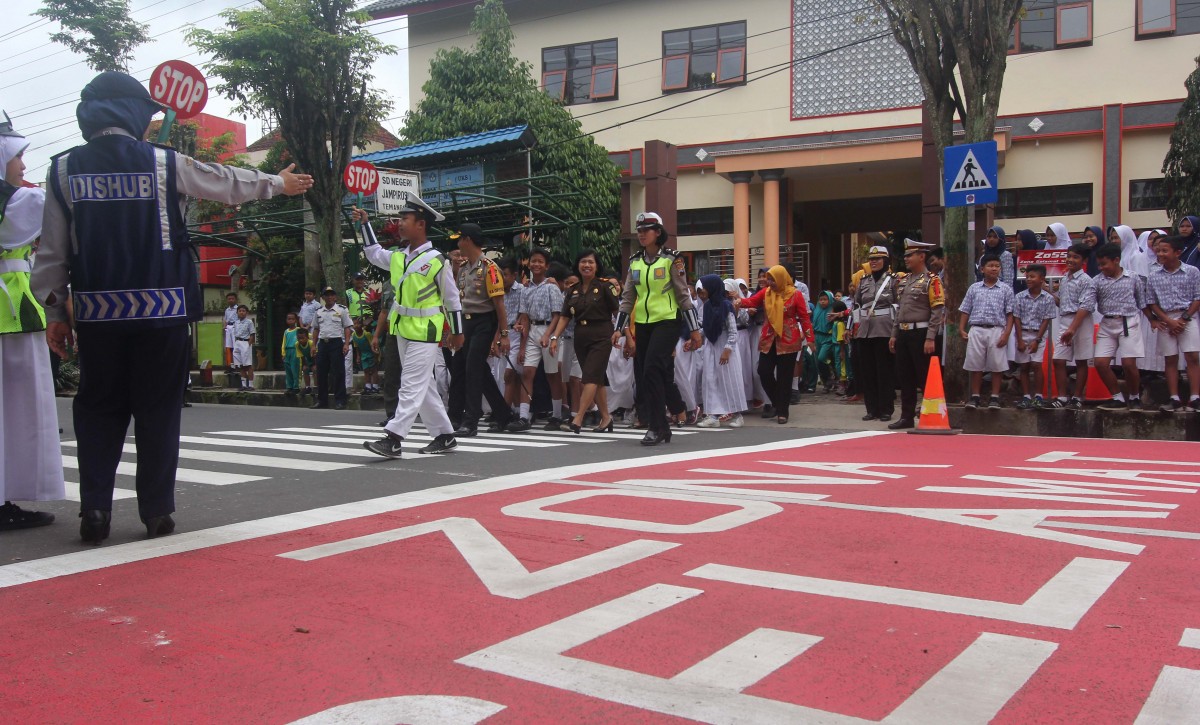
x=1173, y=298
x=986, y=311
x=1120, y=298
x=1033, y=311
x=1073, y=329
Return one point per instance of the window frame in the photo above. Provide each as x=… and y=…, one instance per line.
x=740, y=77
x=1165, y=192
x=592, y=95
x=1141, y=20
x=687, y=71
x=1055, y=211
x=717, y=51
x=1059, y=42
x=562, y=92
x=572, y=68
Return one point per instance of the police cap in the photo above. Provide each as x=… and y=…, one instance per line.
x=414, y=204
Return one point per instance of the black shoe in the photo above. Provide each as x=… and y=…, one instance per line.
x=387, y=446
x=795, y=397
x=93, y=525
x=466, y=431
x=768, y=411
x=576, y=429
x=868, y=416
x=995, y=403
x=13, y=517
x=318, y=406
x=885, y=418
x=339, y=406
x=442, y=444
x=157, y=526
x=604, y=428
x=187, y=404
x=1074, y=404
x=653, y=438
x=973, y=402
x=553, y=424
x=499, y=426
x=902, y=424
x=382, y=423
x=1113, y=404
x=520, y=425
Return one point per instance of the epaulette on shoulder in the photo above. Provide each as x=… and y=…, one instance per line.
x=669, y=252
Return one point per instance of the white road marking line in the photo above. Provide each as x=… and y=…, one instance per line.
x=108, y=556
x=1175, y=699
x=1190, y=638
x=617, y=434
x=412, y=436
x=323, y=439
x=1138, y=531
x=247, y=459
x=747, y=660
x=187, y=475
x=118, y=493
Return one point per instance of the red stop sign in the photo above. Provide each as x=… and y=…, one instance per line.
x=361, y=177
x=179, y=86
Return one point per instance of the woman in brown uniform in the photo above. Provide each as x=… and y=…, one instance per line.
x=591, y=303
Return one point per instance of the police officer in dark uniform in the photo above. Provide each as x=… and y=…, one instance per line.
x=922, y=306
x=114, y=231
x=874, y=364
x=482, y=289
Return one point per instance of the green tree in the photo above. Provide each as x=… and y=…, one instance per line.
x=1181, y=167
x=959, y=51
x=100, y=30
x=485, y=88
x=307, y=64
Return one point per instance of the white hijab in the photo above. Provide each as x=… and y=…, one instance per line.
x=1133, y=256
x=23, y=215
x=1063, y=240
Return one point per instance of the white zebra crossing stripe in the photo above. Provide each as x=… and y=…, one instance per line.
x=187, y=475
x=618, y=434
x=118, y=493
x=247, y=459
x=503, y=437
x=357, y=442
x=361, y=454
x=423, y=436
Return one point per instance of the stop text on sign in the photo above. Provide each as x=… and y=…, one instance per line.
x=361, y=177
x=180, y=86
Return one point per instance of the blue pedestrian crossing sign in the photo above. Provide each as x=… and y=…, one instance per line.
x=969, y=174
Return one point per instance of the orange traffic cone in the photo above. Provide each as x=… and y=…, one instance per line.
x=1096, y=391
x=935, y=419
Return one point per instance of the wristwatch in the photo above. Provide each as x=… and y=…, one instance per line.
x=553, y=338
x=504, y=333
x=1186, y=317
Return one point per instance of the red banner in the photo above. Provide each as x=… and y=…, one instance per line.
x=1055, y=262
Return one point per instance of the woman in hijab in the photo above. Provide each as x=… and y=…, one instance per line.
x=1135, y=261
x=1094, y=238
x=996, y=242
x=1146, y=241
x=687, y=368
x=734, y=291
x=1058, y=239
x=788, y=329
x=31, y=466
x=1189, y=228
x=723, y=397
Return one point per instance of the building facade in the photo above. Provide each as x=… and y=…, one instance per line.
x=768, y=130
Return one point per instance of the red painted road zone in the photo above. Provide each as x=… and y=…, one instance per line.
x=1013, y=581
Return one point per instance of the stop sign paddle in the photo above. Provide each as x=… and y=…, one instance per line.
x=179, y=86
x=361, y=177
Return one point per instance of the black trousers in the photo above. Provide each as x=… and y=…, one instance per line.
x=470, y=376
x=776, y=370
x=331, y=363
x=912, y=367
x=654, y=371
x=875, y=371
x=124, y=373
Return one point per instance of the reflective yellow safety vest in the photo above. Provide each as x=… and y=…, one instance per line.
x=19, y=311
x=354, y=302
x=417, y=312
x=655, y=300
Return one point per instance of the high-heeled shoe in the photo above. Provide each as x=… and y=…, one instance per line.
x=575, y=428
x=604, y=428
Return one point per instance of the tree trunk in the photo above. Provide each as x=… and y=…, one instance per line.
x=329, y=233
x=313, y=273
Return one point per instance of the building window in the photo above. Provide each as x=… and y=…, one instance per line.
x=1050, y=24
x=699, y=58
x=1158, y=18
x=1044, y=201
x=1148, y=194
x=581, y=73
x=714, y=220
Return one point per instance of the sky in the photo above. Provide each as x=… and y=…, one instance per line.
x=41, y=80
